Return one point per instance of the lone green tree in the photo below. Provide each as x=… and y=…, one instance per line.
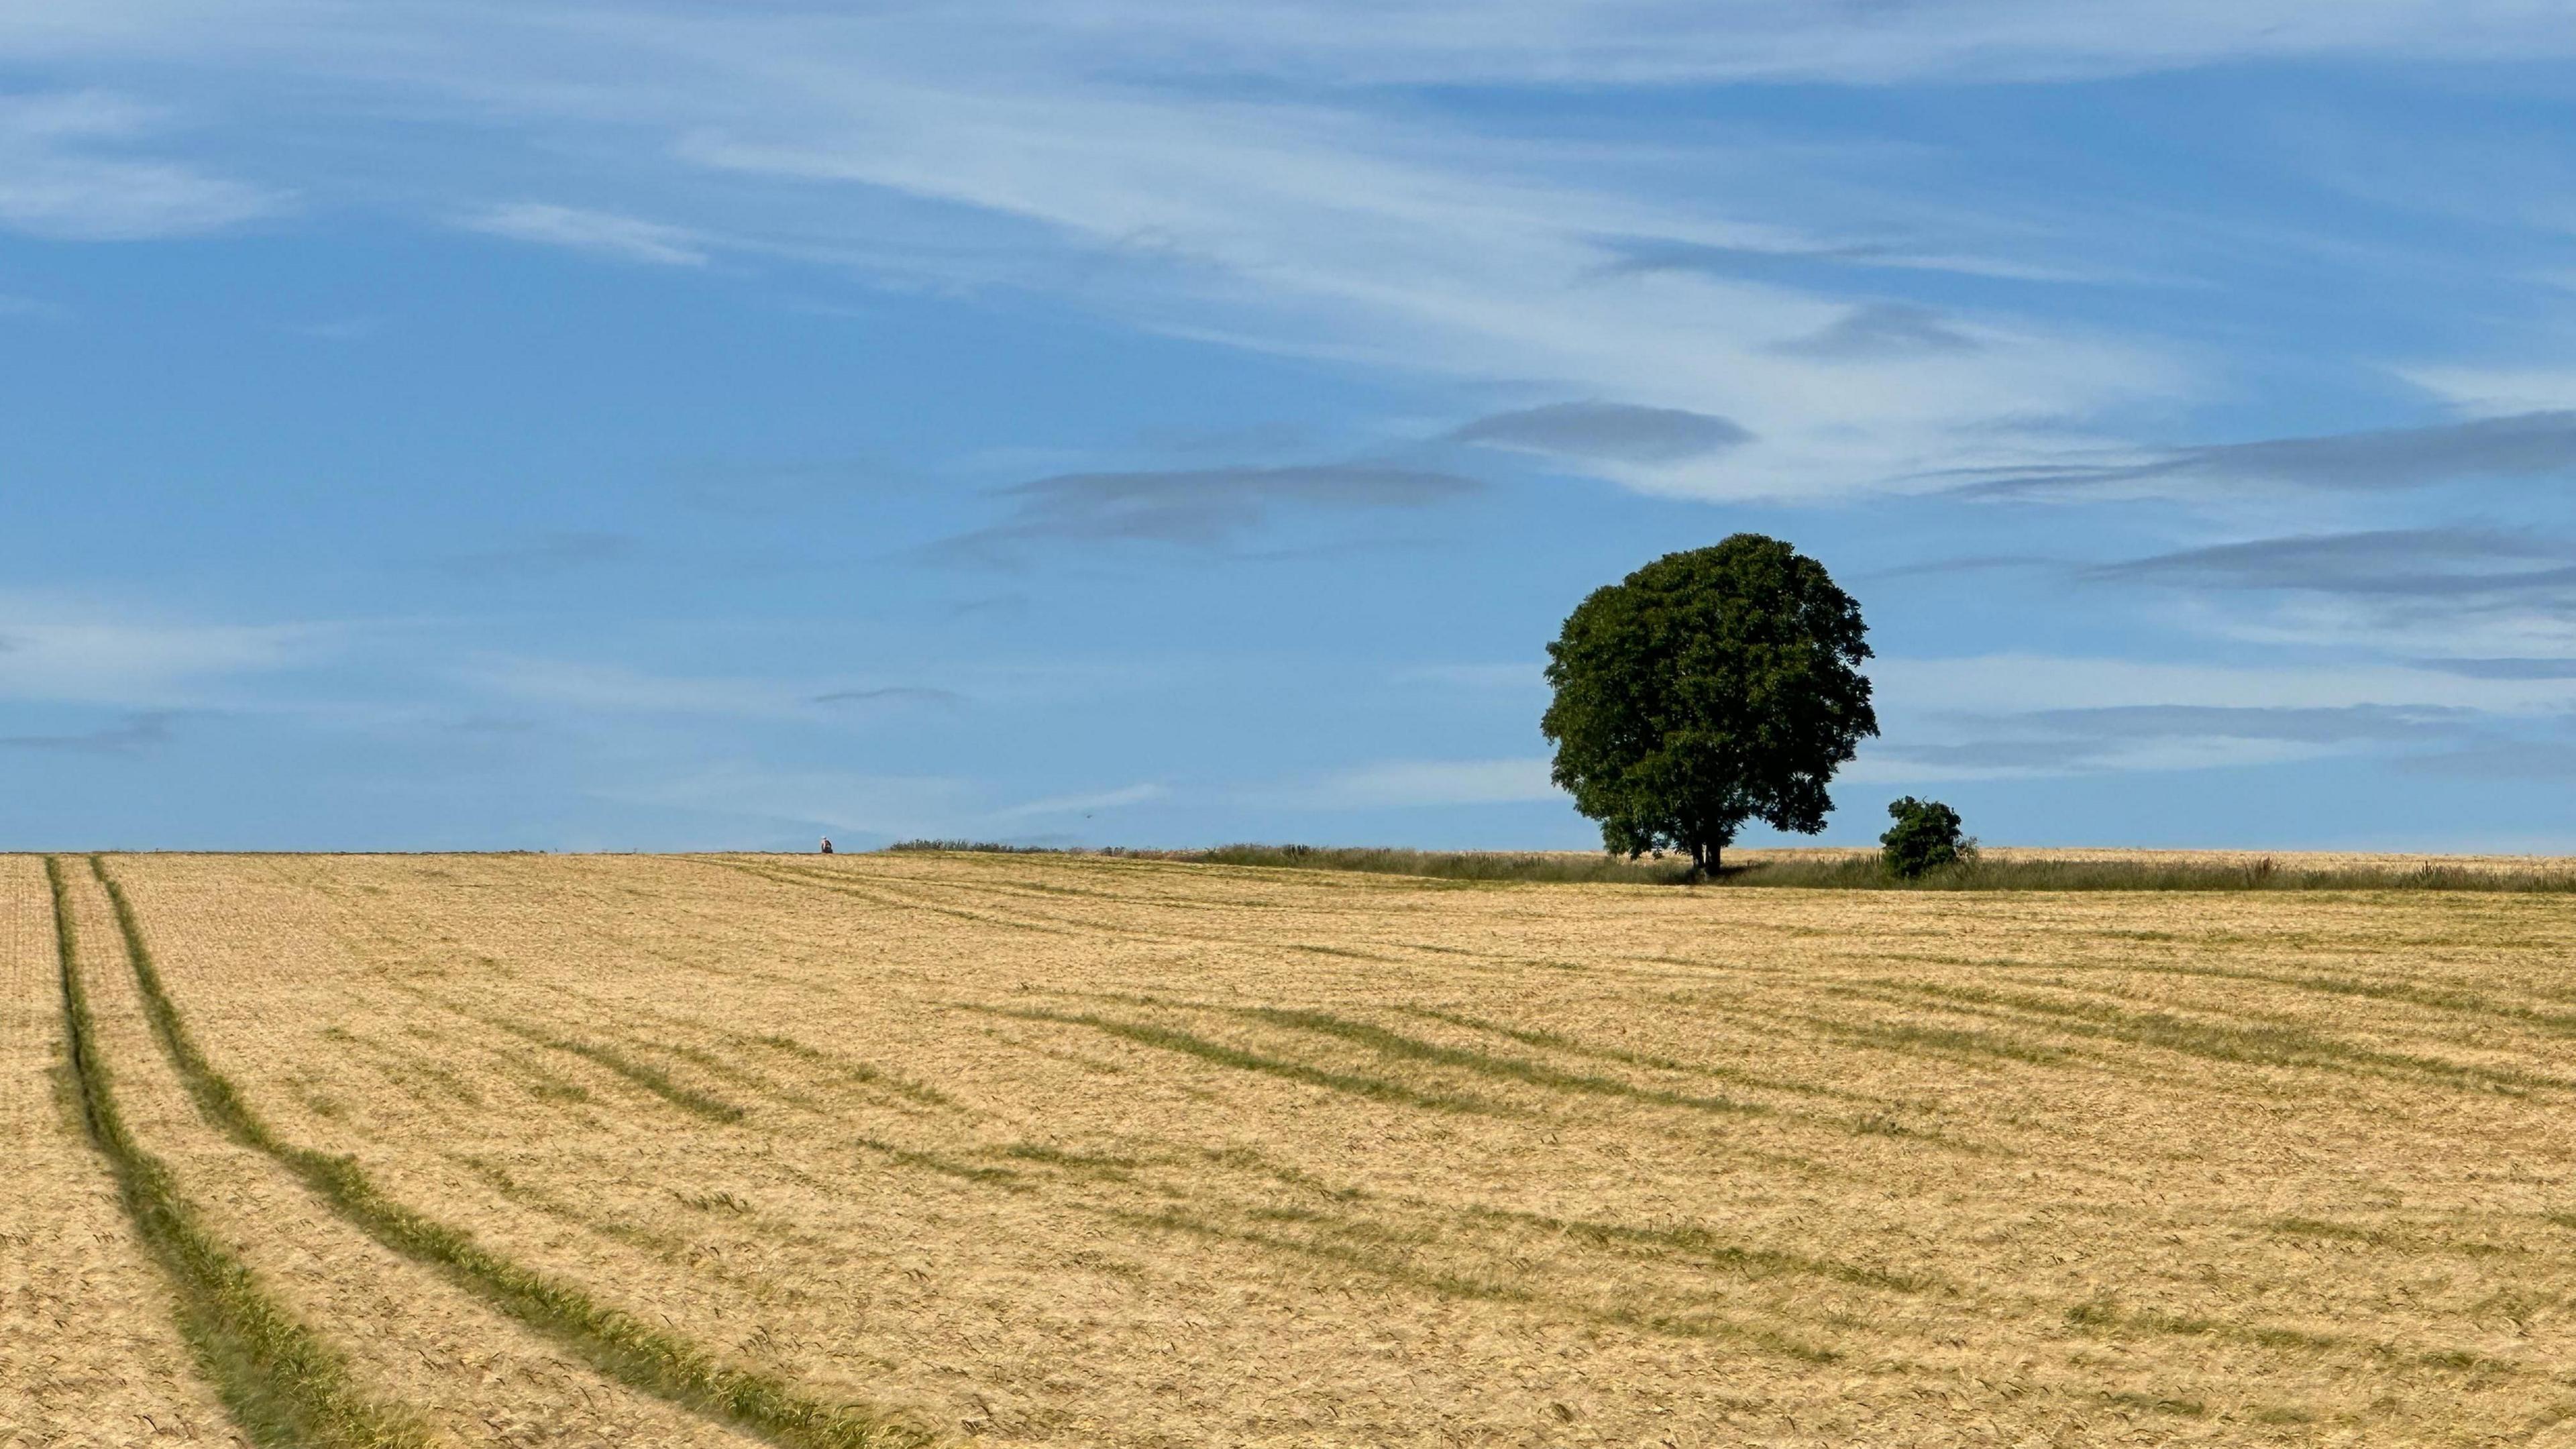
x=1706, y=689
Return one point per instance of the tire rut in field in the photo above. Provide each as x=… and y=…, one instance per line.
x=1559, y=1042
x=620, y=1346
x=1388, y=1252
x=621, y=1055
x=2221, y=1039
x=1376, y=1089
x=1400, y=1047
x=893, y=893
x=836, y=886
x=87, y=1338
x=845, y=1070
x=906, y=892
x=401, y=1327
x=282, y=1384
x=1402, y=1050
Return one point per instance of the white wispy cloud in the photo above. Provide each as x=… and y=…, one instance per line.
x=1435, y=782
x=1648, y=41
x=1084, y=804
x=2015, y=759
x=62, y=174
x=52, y=653
x=1551, y=41
x=2027, y=716
x=587, y=687
x=2011, y=682
x=1364, y=241
x=836, y=802
x=863, y=805
x=593, y=686
x=600, y=233
x=2517, y=629
x=2489, y=392
x=1050, y=150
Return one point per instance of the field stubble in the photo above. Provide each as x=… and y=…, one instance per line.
x=88, y=1352
x=1091, y=1150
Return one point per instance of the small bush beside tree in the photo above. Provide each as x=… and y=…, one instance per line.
x=1925, y=837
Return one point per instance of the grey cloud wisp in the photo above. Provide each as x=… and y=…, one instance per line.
x=2314, y=725
x=1607, y=432
x=1196, y=507
x=2128, y=737
x=138, y=733
x=2501, y=668
x=892, y=694
x=2524, y=445
x=1880, y=329
x=2387, y=563
x=2502, y=602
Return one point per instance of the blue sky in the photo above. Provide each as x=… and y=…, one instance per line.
x=695, y=425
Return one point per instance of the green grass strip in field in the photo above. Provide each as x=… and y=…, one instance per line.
x=643, y=1074
x=2251, y=1043
x=1517, y=1069
x=617, y=1343
x=1376, y=1089
x=280, y=1381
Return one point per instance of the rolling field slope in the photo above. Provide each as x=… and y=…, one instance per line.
x=930, y=1148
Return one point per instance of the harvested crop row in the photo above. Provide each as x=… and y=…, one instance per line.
x=89, y=1352
x=280, y=1380
x=890, y=1223
x=923, y=1156
x=614, y=1342
x=396, y=1333
x=1192, y=1162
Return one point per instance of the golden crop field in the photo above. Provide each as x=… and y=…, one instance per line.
x=1046, y=1149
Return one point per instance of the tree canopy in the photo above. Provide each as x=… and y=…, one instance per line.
x=1706, y=689
x=1927, y=835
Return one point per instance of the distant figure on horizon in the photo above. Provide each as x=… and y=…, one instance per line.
x=827, y=845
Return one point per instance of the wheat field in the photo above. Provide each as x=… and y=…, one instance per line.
x=913, y=1149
